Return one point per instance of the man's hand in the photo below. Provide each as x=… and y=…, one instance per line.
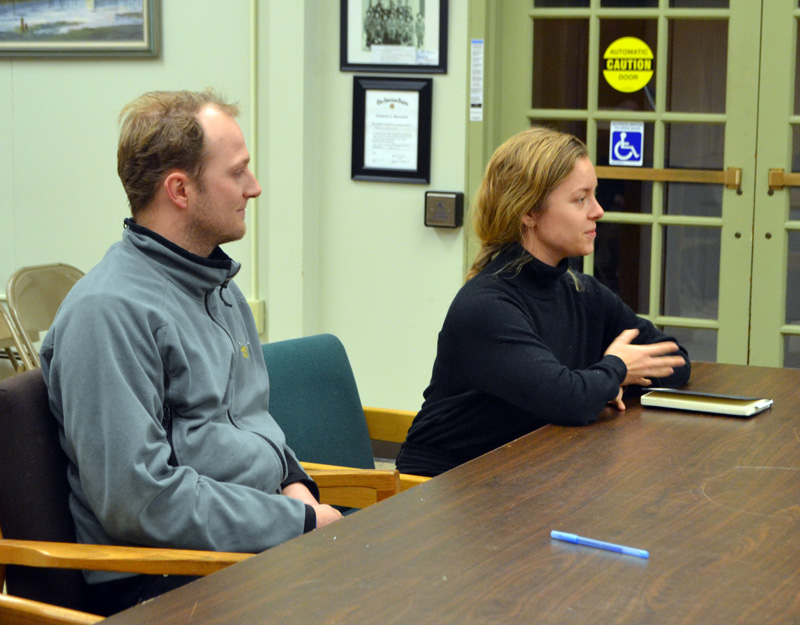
x=326, y=514
x=298, y=490
x=644, y=361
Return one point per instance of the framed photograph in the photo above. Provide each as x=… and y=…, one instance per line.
x=392, y=129
x=408, y=36
x=69, y=28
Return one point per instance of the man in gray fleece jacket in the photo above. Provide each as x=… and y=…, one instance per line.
x=154, y=367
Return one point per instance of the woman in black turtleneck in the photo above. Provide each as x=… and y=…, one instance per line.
x=526, y=341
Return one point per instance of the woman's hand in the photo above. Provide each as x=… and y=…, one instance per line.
x=656, y=360
x=617, y=401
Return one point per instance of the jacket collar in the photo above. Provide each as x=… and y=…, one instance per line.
x=193, y=273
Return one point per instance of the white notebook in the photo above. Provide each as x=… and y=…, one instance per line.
x=731, y=405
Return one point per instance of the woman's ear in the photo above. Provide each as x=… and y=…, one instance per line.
x=529, y=220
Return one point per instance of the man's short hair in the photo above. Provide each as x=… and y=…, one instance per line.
x=160, y=132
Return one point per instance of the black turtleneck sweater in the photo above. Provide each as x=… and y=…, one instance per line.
x=521, y=347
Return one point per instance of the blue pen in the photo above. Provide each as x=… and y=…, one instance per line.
x=600, y=544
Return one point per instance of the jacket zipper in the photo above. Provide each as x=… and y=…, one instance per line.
x=166, y=422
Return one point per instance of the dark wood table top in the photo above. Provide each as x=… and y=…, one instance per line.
x=715, y=500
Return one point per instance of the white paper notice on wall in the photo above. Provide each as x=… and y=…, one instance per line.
x=391, y=129
x=626, y=146
x=476, y=82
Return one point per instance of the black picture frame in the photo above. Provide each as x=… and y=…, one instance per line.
x=404, y=48
x=136, y=32
x=392, y=129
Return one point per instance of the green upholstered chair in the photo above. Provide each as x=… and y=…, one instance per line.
x=314, y=398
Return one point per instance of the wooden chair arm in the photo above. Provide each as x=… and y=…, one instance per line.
x=114, y=558
x=17, y=611
x=409, y=481
x=350, y=487
x=385, y=424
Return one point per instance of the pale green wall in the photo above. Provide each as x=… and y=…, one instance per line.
x=326, y=254
x=59, y=190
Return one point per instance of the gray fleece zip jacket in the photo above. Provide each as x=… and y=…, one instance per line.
x=155, y=373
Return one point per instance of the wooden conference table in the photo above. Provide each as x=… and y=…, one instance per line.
x=715, y=500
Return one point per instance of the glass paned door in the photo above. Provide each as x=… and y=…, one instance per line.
x=676, y=242
x=775, y=333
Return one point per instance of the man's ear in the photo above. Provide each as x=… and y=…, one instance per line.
x=175, y=185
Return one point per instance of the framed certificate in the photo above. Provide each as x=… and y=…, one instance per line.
x=408, y=36
x=392, y=129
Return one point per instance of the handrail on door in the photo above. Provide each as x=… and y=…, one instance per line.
x=731, y=177
x=778, y=179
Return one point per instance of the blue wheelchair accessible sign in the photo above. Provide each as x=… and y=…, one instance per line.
x=627, y=142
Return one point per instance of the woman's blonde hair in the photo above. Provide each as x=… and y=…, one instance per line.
x=519, y=177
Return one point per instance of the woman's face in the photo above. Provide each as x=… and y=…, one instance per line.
x=567, y=225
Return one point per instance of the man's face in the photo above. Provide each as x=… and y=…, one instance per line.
x=217, y=213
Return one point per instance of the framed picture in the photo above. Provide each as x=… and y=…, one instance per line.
x=69, y=28
x=392, y=129
x=408, y=36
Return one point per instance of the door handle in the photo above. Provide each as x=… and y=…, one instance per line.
x=778, y=179
x=731, y=177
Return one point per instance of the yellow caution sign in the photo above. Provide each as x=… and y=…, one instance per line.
x=628, y=64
